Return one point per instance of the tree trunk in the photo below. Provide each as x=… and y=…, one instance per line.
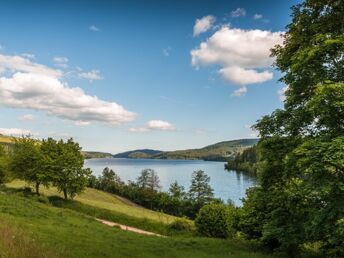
x=37, y=187
x=65, y=194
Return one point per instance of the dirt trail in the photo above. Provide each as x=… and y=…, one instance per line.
x=124, y=227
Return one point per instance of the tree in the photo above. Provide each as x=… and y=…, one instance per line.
x=153, y=181
x=213, y=220
x=300, y=197
x=142, y=180
x=27, y=162
x=149, y=179
x=200, y=191
x=66, y=165
x=109, y=181
x=176, y=191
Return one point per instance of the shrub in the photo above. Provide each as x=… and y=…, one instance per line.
x=181, y=224
x=214, y=220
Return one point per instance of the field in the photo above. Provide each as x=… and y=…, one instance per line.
x=41, y=229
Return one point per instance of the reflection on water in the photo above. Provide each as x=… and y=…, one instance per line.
x=227, y=185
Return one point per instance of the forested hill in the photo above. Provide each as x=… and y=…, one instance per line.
x=220, y=151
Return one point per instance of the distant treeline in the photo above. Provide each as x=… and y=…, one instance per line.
x=245, y=161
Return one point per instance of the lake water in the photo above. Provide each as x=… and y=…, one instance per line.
x=226, y=184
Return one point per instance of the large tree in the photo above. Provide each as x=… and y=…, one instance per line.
x=65, y=163
x=300, y=199
x=27, y=162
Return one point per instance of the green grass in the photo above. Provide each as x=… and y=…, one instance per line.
x=103, y=200
x=67, y=233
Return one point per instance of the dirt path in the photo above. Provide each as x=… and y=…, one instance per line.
x=124, y=227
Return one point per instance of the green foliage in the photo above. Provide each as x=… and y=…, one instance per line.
x=64, y=162
x=148, y=179
x=200, y=190
x=245, y=161
x=300, y=200
x=216, y=220
x=4, y=163
x=27, y=162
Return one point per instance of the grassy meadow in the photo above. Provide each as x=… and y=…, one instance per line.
x=48, y=226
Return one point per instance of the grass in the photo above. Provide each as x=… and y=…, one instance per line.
x=5, y=139
x=68, y=233
x=103, y=200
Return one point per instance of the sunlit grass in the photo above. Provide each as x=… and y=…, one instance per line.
x=107, y=201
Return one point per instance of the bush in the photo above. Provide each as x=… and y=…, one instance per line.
x=215, y=220
x=181, y=224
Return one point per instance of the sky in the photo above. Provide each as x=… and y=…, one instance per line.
x=123, y=75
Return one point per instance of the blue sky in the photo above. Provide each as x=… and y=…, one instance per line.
x=138, y=74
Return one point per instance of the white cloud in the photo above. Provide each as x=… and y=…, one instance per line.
x=167, y=51
x=281, y=93
x=238, y=75
x=37, y=87
x=239, y=92
x=202, y=25
x=257, y=16
x=15, y=131
x=244, y=55
x=154, y=125
x=28, y=55
x=94, y=28
x=20, y=64
x=160, y=125
x=2, y=47
x=91, y=75
x=27, y=117
x=61, y=61
x=238, y=12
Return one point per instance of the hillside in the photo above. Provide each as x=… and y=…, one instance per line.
x=219, y=151
x=96, y=155
x=48, y=226
x=143, y=154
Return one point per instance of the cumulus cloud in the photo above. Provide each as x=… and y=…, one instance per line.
x=94, y=28
x=27, y=117
x=15, y=131
x=239, y=92
x=244, y=55
x=21, y=64
x=257, y=16
x=37, y=87
x=202, y=25
x=154, y=125
x=238, y=75
x=239, y=12
x=41, y=92
x=91, y=75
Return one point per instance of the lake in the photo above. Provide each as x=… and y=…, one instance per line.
x=226, y=184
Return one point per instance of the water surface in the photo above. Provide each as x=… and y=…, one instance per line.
x=226, y=184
